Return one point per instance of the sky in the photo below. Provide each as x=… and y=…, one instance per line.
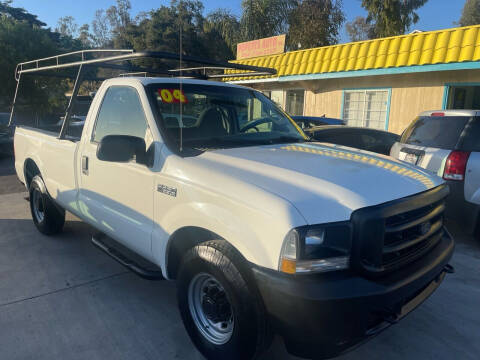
x=434, y=15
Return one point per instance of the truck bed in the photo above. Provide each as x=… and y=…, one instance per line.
x=54, y=159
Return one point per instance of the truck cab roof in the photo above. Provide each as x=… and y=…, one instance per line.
x=165, y=80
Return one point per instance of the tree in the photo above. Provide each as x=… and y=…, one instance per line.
x=67, y=26
x=19, y=14
x=22, y=39
x=392, y=17
x=109, y=27
x=470, y=13
x=119, y=19
x=315, y=23
x=226, y=27
x=101, y=35
x=264, y=18
x=84, y=35
x=19, y=41
x=69, y=36
x=359, y=29
x=119, y=15
x=160, y=31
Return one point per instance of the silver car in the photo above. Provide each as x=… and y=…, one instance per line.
x=447, y=142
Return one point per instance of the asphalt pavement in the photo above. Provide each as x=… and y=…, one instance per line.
x=61, y=298
x=8, y=180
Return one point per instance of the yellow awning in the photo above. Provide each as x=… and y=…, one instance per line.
x=426, y=48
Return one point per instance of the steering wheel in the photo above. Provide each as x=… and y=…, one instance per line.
x=255, y=123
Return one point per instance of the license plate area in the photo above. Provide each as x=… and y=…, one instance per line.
x=411, y=156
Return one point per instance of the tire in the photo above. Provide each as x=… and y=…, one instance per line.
x=214, y=287
x=47, y=216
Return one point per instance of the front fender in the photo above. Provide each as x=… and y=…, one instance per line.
x=257, y=235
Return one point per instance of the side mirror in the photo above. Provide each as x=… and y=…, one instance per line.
x=122, y=148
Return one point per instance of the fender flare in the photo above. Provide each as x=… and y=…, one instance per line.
x=34, y=162
x=196, y=228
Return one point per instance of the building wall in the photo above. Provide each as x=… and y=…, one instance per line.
x=411, y=93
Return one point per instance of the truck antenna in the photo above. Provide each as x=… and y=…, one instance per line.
x=181, y=84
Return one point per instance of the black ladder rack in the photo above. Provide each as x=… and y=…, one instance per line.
x=122, y=60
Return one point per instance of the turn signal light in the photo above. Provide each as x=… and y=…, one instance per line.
x=456, y=165
x=288, y=266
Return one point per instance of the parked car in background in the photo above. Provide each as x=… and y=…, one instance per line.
x=307, y=122
x=6, y=135
x=373, y=140
x=447, y=142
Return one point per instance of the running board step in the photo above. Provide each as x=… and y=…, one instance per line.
x=118, y=252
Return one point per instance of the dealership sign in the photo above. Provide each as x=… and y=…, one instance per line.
x=261, y=47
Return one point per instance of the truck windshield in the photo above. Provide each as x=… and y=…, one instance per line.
x=213, y=117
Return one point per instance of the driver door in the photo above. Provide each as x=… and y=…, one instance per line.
x=117, y=198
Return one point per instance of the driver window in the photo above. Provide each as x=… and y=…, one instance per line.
x=121, y=113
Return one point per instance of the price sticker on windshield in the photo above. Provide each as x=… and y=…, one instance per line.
x=172, y=96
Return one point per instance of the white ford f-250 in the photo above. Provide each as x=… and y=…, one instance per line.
x=265, y=232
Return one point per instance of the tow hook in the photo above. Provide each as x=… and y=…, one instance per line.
x=449, y=269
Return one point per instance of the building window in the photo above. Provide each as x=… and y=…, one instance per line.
x=294, y=102
x=366, y=108
x=277, y=97
x=463, y=97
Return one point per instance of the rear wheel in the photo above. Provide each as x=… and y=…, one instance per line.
x=47, y=216
x=221, y=311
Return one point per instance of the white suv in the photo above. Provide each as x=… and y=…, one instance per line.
x=447, y=142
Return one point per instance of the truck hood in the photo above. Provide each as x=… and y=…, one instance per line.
x=325, y=183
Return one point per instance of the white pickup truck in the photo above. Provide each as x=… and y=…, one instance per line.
x=264, y=231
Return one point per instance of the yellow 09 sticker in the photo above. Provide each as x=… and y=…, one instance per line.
x=170, y=96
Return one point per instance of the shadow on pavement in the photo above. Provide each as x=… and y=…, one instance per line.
x=7, y=165
x=9, y=183
x=61, y=293
x=62, y=298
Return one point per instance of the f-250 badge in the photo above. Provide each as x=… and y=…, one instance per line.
x=171, y=191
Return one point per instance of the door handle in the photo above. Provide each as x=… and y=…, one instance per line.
x=85, y=165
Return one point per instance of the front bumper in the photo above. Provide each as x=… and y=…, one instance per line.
x=324, y=315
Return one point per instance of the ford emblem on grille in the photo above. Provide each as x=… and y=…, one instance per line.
x=425, y=228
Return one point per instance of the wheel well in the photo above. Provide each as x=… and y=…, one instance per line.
x=30, y=169
x=181, y=241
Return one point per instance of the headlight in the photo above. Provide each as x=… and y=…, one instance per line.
x=318, y=248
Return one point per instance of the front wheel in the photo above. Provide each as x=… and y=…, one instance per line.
x=221, y=311
x=47, y=216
